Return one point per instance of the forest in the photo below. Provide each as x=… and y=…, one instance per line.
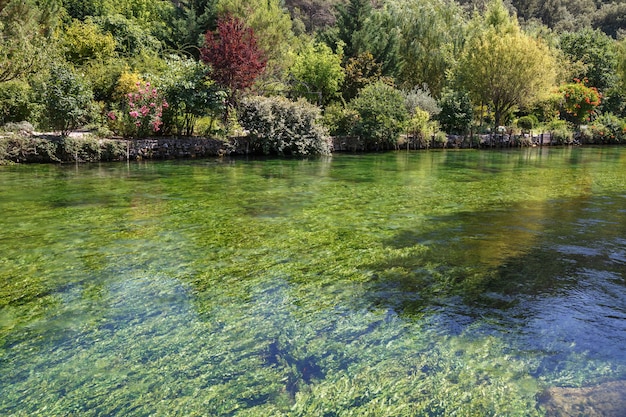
x=291, y=73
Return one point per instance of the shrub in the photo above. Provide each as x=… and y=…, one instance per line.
x=527, y=123
x=560, y=132
x=456, y=112
x=79, y=149
x=18, y=148
x=15, y=101
x=339, y=120
x=579, y=102
x=145, y=109
x=67, y=100
x=608, y=128
x=23, y=128
x=382, y=115
x=420, y=128
x=420, y=97
x=277, y=125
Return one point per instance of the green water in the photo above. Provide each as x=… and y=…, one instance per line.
x=419, y=284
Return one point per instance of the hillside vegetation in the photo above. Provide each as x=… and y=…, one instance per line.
x=375, y=70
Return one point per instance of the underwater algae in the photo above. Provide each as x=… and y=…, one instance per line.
x=397, y=284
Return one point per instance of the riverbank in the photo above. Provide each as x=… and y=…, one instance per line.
x=84, y=147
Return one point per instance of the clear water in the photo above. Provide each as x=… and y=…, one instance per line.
x=418, y=284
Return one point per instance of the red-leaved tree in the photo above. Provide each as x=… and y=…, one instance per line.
x=233, y=54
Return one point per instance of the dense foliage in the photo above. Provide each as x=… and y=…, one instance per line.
x=381, y=115
x=472, y=66
x=277, y=125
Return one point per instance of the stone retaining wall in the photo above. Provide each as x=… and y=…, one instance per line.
x=174, y=148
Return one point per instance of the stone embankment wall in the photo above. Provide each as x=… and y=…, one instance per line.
x=41, y=148
x=174, y=148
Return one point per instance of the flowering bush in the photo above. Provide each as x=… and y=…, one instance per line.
x=579, y=101
x=144, y=111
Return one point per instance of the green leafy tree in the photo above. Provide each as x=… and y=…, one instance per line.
x=382, y=115
x=130, y=38
x=381, y=36
x=67, y=99
x=350, y=20
x=190, y=94
x=187, y=24
x=25, y=38
x=456, y=113
x=84, y=41
x=149, y=14
x=317, y=70
x=610, y=19
x=566, y=15
x=431, y=37
x=502, y=67
x=314, y=14
x=15, y=101
x=361, y=71
x=596, y=56
x=81, y=9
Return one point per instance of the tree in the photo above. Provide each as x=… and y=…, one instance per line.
x=233, y=54
x=67, y=99
x=15, y=101
x=317, y=69
x=456, y=114
x=503, y=68
x=271, y=23
x=187, y=24
x=361, y=71
x=84, y=41
x=190, y=94
x=25, y=38
x=81, y=9
x=611, y=19
x=130, y=38
x=596, y=54
x=351, y=19
x=431, y=37
x=314, y=14
x=381, y=113
x=380, y=37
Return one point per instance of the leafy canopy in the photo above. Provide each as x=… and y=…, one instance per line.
x=233, y=54
x=382, y=114
x=502, y=67
x=317, y=69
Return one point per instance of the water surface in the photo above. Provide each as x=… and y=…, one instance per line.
x=430, y=283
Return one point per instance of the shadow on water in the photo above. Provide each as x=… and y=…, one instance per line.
x=548, y=279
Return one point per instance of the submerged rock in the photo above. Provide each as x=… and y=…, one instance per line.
x=603, y=400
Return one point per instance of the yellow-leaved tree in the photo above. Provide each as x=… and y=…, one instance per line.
x=502, y=67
